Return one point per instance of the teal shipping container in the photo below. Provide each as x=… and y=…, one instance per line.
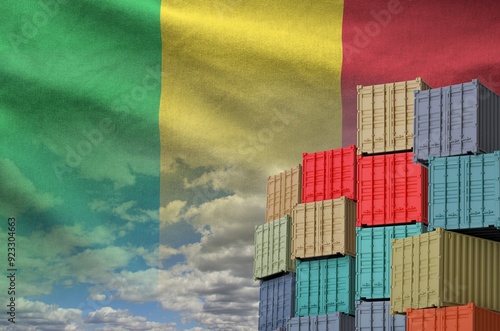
x=273, y=248
x=373, y=258
x=325, y=286
x=464, y=194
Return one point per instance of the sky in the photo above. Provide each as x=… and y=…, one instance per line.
x=134, y=157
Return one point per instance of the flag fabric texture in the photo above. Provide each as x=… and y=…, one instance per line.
x=136, y=138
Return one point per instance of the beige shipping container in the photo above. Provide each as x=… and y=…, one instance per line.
x=324, y=228
x=385, y=116
x=444, y=268
x=283, y=193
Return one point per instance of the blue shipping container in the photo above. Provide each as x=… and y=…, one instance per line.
x=376, y=316
x=330, y=322
x=277, y=302
x=325, y=286
x=464, y=192
x=456, y=120
x=373, y=258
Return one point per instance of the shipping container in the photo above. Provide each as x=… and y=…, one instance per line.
x=273, y=248
x=329, y=174
x=277, y=302
x=464, y=192
x=385, y=116
x=457, y=318
x=283, y=193
x=376, y=316
x=391, y=190
x=324, y=228
x=330, y=322
x=325, y=286
x=456, y=120
x=373, y=258
x=444, y=268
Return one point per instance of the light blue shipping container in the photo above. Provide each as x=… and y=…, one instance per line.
x=330, y=322
x=277, y=302
x=376, y=316
x=325, y=286
x=373, y=258
x=456, y=120
x=464, y=193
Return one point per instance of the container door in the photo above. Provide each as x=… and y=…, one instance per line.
x=436, y=114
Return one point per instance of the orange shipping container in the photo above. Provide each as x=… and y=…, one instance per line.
x=283, y=193
x=324, y=228
x=457, y=318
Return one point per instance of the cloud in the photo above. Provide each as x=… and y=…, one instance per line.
x=171, y=212
x=19, y=194
x=119, y=319
x=39, y=316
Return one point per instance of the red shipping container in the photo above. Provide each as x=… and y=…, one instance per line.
x=456, y=318
x=391, y=190
x=329, y=174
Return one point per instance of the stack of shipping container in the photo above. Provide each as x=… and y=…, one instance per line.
x=346, y=245
x=447, y=279
x=392, y=195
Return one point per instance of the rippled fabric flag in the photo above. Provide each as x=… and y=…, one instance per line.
x=136, y=139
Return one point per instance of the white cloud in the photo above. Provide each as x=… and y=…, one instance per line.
x=39, y=316
x=117, y=320
x=171, y=212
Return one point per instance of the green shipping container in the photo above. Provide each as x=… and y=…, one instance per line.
x=325, y=286
x=444, y=268
x=273, y=248
x=373, y=258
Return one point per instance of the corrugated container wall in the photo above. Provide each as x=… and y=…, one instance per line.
x=273, y=248
x=391, y=190
x=464, y=193
x=324, y=228
x=329, y=174
x=373, y=258
x=456, y=120
x=325, y=286
x=385, y=116
x=376, y=316
x=277, y=302
x=457, y=318
x=330, y=322
x=444, y=268
x=283, y=193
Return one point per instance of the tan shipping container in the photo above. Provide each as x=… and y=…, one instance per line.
x=443, y=268
x=324, y=228
x=385, y=116
x=283, y=193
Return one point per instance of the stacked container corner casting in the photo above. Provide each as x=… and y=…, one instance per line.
x=391, y=190
x=324, y=228
x=444, y=268
x=456, y=120
x=385, y=115
x=283, y=193
x=277, y=302
x=273, y=248
x=329, y=174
